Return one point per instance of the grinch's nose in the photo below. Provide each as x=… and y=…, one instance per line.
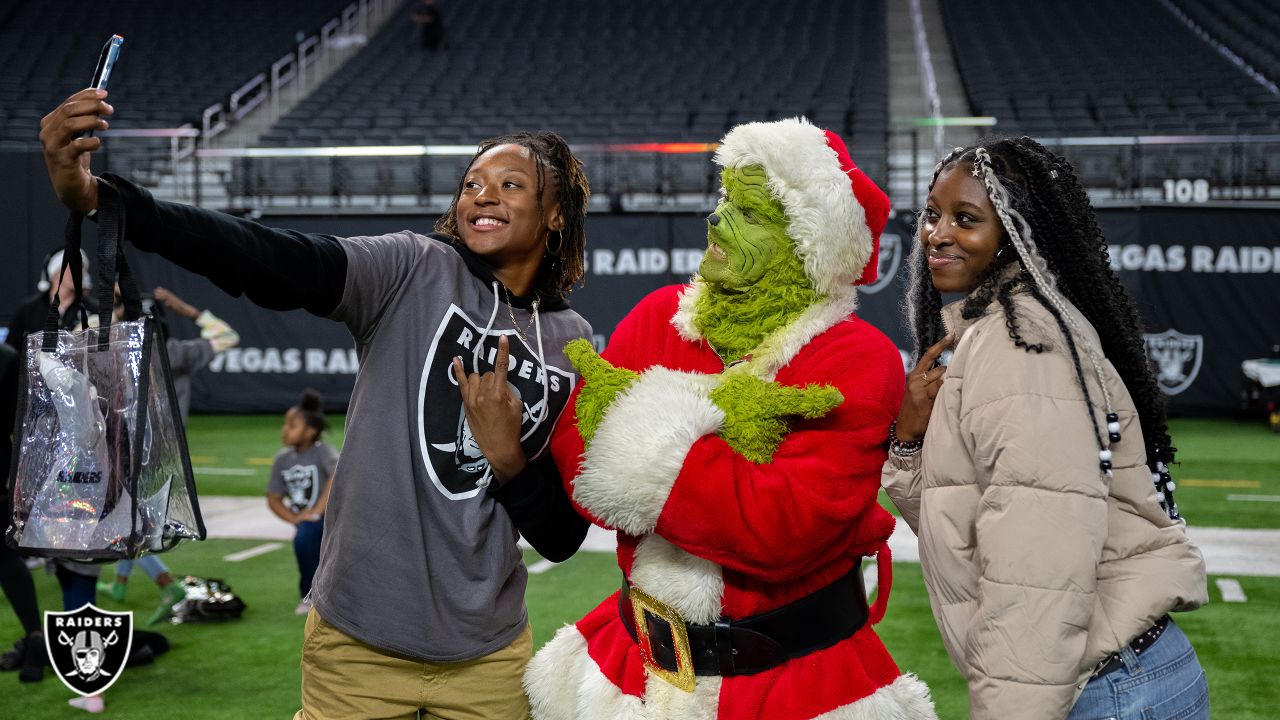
x=714, y=219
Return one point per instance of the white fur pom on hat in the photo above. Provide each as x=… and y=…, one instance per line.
x=835, y=213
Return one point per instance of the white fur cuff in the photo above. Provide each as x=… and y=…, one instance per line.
x=640, y=446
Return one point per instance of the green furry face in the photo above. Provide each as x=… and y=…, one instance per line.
x=749, y=233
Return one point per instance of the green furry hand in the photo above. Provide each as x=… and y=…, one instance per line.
x=601, y=384
x=755, y=411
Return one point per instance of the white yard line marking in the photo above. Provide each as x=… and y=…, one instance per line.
x=253, y=552
x=223, y=471
x=869, y=579
x=1254, y=498
x=1233, y=552
x=540, y=567
x=1231, y=590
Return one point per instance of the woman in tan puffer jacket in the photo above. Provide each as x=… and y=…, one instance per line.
x=1050, y=541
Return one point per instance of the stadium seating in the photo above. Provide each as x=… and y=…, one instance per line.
x=1248, y=27
x=1092, y=67
x=663, y=70
x=178, y=57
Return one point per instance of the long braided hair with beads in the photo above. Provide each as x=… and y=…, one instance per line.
x=1054, y=238
x=563, y=262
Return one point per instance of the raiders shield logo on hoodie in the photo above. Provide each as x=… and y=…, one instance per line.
x=88, y=647
x=449, y=450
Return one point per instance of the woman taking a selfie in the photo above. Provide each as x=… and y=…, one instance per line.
x=1033, y=465
x=420, y=577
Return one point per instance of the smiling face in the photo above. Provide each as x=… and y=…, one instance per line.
x=498, y=214
x=960, y=230
x=747, y=234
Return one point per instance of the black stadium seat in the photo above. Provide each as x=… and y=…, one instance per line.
x=1097, y=67
x=178, y=57
x=621, y=72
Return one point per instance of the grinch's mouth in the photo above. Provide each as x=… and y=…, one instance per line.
x=717, y=252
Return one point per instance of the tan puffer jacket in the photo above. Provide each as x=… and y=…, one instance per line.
x=1038, y=566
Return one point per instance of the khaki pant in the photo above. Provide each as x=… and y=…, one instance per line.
x=345, y=679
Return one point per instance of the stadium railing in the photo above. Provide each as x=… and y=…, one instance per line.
x=1119, y=170
x=291, y=76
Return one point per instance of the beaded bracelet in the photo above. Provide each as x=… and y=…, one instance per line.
x=902, y=448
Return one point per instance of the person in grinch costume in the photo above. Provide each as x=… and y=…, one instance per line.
x=733, y=433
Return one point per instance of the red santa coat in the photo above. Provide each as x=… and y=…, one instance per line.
x=712, y=534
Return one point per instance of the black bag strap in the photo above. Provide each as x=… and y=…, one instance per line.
x=112, y=263
x=72, y=258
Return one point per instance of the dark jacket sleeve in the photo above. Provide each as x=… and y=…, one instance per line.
x=540, y=508
x=276, y=269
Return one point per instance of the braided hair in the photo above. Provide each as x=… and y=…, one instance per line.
x=562, y=265
x=1053, y=236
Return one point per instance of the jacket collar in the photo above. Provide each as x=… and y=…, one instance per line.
x=956, y=324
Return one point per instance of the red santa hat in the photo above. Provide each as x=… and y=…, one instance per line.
x=835, y=213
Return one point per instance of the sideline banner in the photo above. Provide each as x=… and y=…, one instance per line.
x=1205, y=280
x=1207, y=283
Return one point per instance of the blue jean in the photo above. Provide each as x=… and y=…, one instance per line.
x=306, y=546
x=1165, y=682
x=77, y=590
x=153, y=566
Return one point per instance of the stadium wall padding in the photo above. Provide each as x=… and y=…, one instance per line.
x=1207, y=281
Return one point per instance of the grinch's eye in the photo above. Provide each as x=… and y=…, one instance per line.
x=748, y=215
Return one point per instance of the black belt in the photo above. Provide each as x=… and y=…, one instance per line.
x=1139, y=645
x=677, y=650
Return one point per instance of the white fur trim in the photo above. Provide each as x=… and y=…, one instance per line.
x=826, y=221
x=564, y=683
x=687, y=310
x=906, y=698
x=664, y=701
x=778, y=349
x=692, y=585
x=640, y=446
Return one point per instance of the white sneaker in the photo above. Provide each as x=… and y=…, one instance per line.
x=303, y=608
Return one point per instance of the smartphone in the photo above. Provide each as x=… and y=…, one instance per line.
x=106, y=61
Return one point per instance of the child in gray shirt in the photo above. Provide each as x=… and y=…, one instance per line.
x=298, y=489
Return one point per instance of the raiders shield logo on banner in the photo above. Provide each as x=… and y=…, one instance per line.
x=88, y=647
x=889, y=260
x=449, y=450
x=1176, y=358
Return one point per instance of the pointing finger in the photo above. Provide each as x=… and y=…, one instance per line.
x=504, y=355
x=460, y=374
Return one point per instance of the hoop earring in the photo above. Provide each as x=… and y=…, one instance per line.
x=559, y=247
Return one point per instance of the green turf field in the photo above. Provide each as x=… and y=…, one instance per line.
x=1218, y=460
x=249, y=668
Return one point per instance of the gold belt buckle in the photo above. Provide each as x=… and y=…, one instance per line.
x=683, y=676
